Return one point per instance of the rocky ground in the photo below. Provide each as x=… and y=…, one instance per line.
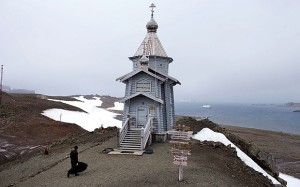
x=207, y=166
x=284, y=148
x=24, y=133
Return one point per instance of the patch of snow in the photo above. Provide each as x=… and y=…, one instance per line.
x=2, y=150
x=37, y=146
x=291, y=181
x=7, y=145
x=118, y=106
x=22, y=152
x=93, y=118
x=9, y=155
x=87, y=105
x=209, y=135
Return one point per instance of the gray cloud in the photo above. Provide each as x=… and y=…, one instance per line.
x=223, y=51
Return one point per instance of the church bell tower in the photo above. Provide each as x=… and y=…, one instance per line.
x=149, y=88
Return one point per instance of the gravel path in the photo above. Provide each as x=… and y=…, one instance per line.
x=207, y=166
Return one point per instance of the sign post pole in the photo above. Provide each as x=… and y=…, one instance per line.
x=180, y=137
x=1, y=85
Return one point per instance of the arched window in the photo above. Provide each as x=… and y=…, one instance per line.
x=143, y=86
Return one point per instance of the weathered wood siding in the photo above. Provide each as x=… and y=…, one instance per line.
x=163, y=113
x=173, y=107
x=138, y=101
x=135, y=64
x=159, y=64
x=168, y=106
x=156, y=63
x=125, y=112
x=142, y=76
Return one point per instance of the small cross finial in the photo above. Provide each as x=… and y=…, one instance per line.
x=152, y=6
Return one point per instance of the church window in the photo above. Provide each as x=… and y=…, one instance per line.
x=143, y=86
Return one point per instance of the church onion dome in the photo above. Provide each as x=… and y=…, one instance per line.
x=152, y=26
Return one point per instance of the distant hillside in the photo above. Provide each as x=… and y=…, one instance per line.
x=7, y=89
x=291, y=104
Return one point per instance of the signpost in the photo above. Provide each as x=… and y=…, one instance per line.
x=1, y=85
x=180, y=136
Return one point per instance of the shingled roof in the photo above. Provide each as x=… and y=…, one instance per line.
x=153, y=46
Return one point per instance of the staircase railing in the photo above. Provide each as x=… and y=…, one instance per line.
x=123, y=131
x=146, y=133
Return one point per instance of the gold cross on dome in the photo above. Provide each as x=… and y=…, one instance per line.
x=152, y=6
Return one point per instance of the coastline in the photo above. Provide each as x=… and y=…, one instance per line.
x=276, y=152
x=34, y=165
x=204, y=150
x=284, y=147
x=208, y=165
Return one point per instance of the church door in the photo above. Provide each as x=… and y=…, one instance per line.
x=142, y=116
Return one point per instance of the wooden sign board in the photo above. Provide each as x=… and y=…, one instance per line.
x=181, y=152
x=180, y=135
x=183, y=163
x=180, y=158
x=180, y=142
x=182, y=146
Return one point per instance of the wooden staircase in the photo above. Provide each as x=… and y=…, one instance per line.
x=132, y=140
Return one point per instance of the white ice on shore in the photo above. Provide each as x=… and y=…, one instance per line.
x=209, y=135
x=93, y=118
x=291, y=181
x=118, y=106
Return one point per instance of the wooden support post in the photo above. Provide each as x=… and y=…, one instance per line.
x=118, y=137
x=180, y=173
x=1, y=85
x=128, y=116
x=150, y=139
x=142, y=138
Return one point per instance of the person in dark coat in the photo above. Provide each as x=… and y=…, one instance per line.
x=74, y=161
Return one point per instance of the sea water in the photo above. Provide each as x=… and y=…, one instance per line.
x=267, y=117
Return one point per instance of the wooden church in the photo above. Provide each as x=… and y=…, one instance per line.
x=149, y=99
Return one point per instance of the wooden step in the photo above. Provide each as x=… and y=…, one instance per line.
x=131, y=141
x=130, y=145
x=129, y=148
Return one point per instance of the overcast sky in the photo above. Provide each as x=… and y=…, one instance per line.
x=223, y=51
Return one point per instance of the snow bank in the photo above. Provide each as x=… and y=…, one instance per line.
x=291, y=181
x=93, y=118
x=118, y=106
x=209, y=135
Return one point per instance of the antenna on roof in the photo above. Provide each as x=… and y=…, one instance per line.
x=152, y=6
x=1, y=85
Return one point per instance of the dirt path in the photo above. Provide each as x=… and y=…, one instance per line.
x=207, y=166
